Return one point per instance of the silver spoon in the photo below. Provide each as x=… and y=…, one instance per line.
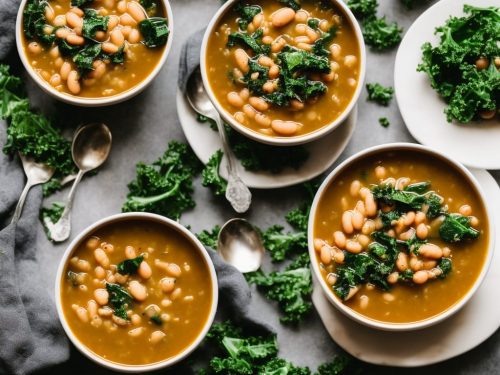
x=240, y=245
x=237, y=193
x=36, y=173
x=90, y=148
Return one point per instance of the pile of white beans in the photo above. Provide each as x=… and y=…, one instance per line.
x=122, y=30
x=252, y=108
x=94, y=274
x=359, y=223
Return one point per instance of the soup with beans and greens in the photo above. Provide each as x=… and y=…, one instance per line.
x=95, y=48
x=400, y=236
x=284, y=72
x=136, y=292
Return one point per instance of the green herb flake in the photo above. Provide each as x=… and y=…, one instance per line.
x=129, y=266
x=155, y=31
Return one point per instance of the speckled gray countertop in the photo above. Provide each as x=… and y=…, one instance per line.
x=141, y=129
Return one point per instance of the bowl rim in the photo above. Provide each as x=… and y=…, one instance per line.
x=100, y=101
x=144, y=216
x=386, y=326
x=284, y=141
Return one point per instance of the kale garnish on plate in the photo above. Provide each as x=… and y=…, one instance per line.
x=464, y=66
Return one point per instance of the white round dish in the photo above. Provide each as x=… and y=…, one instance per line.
x=322, y=153
x=146, y=217
x=474, y=144
x=92, y=102
x=468, y=328
x=400, y=327
x=283, y=141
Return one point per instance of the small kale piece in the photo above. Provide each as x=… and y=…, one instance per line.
x=67, y=49
x=456, y=228
x=340, y=365
x=92, y=23
x=280, y=245
x=50, y=215
x=295, y=60
x=149, y=5
x=155, y=31
x=209, y=238
x=33, y=17
x=156, y=319
x=319, y=46
x=245, y=40
x=80, y=3
x=295, y=5
x=418, y=187
x=291, y=289
x=278, y=366
x=434, y=206
x=381, y=35
x=256, y=77
x=445, y=265
x=116, y=58
x=384, y=122
x=363, y=9
x=210, y=174
x=380, y=94
x=313, y=23
x=129, y=266
x=119, y=299
x=165, y=187
x=86, y=56
x=246, y=13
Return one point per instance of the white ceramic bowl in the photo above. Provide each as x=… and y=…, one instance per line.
x=283, y=141
x=92, y=102
x=143, y=217
x=399, y=326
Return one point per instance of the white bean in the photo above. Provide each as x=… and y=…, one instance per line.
x=137, y=290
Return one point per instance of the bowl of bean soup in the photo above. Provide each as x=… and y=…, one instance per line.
x=283, y=73
x=136, y=292
x=400, y=237
x=94, y=52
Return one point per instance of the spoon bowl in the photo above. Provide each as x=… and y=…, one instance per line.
x=240, y=245
x=91, y=146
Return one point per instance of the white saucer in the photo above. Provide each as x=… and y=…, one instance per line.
x=465, y=330
x=322, y=153
x=474, y=144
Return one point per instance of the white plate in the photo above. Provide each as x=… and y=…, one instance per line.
x=469, y=327
x=322, y=153
x=474, y=144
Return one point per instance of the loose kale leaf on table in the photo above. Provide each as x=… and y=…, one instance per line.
x=211, y=177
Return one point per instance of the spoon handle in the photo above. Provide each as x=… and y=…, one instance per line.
x=20, y=203
x=61, y=230
x=237, y=193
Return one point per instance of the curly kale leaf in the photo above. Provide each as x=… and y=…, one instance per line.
x=295, y=5
x=155, y=31
x=86, y=56
x=280, y=244
x=380, y=94
x=320, y=45
x=119, y=299
x=210, y=174
x=246, y=14
x=92, y=23
x=278, y=366
x=363, y=9
x=129, y=266
x=381, y=35
x=291, y=289
x=165, y=187
x=457, y=228
x=209, y=237
x=252, y=41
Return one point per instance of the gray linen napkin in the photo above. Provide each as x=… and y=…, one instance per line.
x=8, y=11
x=31, y=337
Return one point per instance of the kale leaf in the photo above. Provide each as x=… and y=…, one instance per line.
x=451, y=68
x=280, y=245
x=31, y=133
x=92, y=23
x=295, y=5
x=291, y=289
x=363, y=9
x=209, y=237
x=381, y=35
x=80, y=3
x=456, y=228
x=155, y=31
x=252, y=41
x=384, y=122
x=86, y=56
x=50, y=215
x=210, y=174
x=380, y=94
x=119, y=299
x=34, y=17
x=320, y=45
x=165, y=187
x=129, y=266
x=256, y=77
x=246, y=13
x=295, y=60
